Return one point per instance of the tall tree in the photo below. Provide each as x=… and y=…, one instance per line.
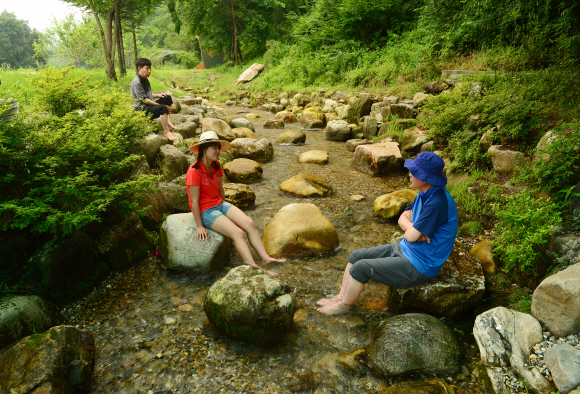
x=16, y=41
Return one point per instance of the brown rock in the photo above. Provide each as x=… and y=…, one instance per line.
x=391, y=205
x=299, y=230
x=286, y=117
x=312, y=118
x=352, y=144
x=239, y=195
x=484, y=253
x=307, y=185
x=222, y=129
x=251, y=72
x=274, y=124
x=158, y=204
x=377, y=159
x=435, y=87
x=243, y=132
x=413, y=139
x=314, y=156
x=261, y=151
x=292, y=136
x=243, y=171
x=505, y=160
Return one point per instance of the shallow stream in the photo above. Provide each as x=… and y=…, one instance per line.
x=152, y=334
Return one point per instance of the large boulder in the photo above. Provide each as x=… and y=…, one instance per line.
x=377, y=159
x=504, y=159
x=314, y=156
x=157, y=205
x=21, y=316
x=369, y=127
x=123, y=244
x=413, y=343
x=365, y=102
x=176, y=106
x=307, y=185
x=352, y=144
x=243, y=171
x=239, y=195
x=186, y=129
x=505, y=338
x=312, y=118
x=173, y=162
x=150, y=146
x=419, y=99
x=177, y=194
x=435, y=87
x=60, y=360
x=249, y=148
x=392, y=204
x=251, y=305
x=221, y=128
x=243, y=122
x=338, y=130
x=413, y=139
x=459, y=286
x=176, y=118
x=543, y=145
x=180, y=249
x=483, y=251
x=299, y=230
x=286, y=117
x=555, y=302
x=563, y=361
x=243, y=132
x=404, y=111
x=292, y=136
x=251, y=72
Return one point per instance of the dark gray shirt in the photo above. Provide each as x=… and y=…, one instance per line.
x=140, y=89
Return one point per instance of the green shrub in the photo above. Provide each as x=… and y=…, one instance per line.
x=59, y=94
x=524, y=227
x=471, y=228
x=520, y=300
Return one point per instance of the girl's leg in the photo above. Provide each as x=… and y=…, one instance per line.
x=226, y=227
x=352, y=292
x=246, y=223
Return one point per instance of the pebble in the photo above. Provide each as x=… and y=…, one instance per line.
x=538, y=350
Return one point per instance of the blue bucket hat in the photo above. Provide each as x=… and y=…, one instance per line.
x=427, y=167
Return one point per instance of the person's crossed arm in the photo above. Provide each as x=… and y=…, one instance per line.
x=411, y=233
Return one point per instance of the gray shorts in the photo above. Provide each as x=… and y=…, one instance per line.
x=385, y=264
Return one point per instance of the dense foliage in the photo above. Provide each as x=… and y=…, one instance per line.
x=16, y=40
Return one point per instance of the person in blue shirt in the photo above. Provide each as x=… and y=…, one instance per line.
x=430, y=224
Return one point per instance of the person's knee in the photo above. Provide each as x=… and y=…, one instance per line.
x=238, y=234
x=360, y=271
x=248, y=224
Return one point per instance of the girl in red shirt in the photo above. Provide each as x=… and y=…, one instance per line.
x=206, y=200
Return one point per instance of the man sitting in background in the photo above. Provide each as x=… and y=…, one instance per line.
x=143, y=97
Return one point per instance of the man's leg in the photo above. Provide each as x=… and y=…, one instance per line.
x=167, y=101
x=165, y=123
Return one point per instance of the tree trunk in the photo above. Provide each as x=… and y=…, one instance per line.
x=106, y=40
x=119, y=40
x=236, y=53
x=135, y=43
x=124, y=62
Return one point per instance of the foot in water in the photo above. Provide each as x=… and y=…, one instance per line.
x=335, y=309
x=170, y=136
x=328, y=301
x=273, y=260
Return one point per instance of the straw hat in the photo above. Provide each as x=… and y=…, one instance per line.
x=209, y=136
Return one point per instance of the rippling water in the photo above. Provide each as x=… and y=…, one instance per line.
x=152, y=334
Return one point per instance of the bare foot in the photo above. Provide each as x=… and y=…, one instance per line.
x=171, y=126
x=335, y=309
x=272, y=273
x=273, y=260
x=328, y=301
x=170, y=136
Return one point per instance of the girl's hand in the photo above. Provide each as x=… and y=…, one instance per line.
x=201, y=233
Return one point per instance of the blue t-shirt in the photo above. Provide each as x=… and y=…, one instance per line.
x=435, y=215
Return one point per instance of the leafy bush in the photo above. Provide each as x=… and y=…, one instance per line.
x=471, y=228
x=524, y=226
x=59, y=94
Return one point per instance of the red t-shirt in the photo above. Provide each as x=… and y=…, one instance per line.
x=209, y=186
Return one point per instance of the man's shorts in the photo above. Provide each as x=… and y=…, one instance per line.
x=385, y=264
x=211, y=214
x=156, y=111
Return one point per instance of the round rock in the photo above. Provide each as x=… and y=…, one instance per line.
x=243, y=132
x=248, y=148
x=242, y=122
x=338, y=130
x=250, y=305
x=173, y=162
x=243, y=171
x=314, y=156
x=292, y=136
x=239, y=194
x=307, y=185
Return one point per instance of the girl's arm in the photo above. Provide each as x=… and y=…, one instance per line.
x=222, y=192
x=194, y=193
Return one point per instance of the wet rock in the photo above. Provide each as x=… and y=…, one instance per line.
x=180, y=249
x=61, y=360
x=377, y=159
x=483, y=251
x=251, y=72
x=299, y=230
x=563, y=361
x=314, y=156
x=404, y=111
x=173, y=162
x=413, y=139
x=435, y=87
x=239, y=195
x=312, y=118
x=353, y=363
x=124, y=244
x=151, y=145
x=567, y=246
x=286, y=117
x=21, y=316
x=555, y=302
x=369, y=127
x=307, y=185
x=426, y=386
x=177, y=194
x=505, y=338
x=393, y=204
x=274, y=124
x=243, y=171
x=413, y=343
x=261, y=151
x=338, y=130
x=243, y=132
x=352, y=144
x=252, y=116
x=251, y=305
x=242, y=122
x=292, y=136
x=344, y=219
x=505, y=160
x=221, y=128
x=458, y=287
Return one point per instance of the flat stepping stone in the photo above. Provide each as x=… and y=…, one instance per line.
x=352, y=144
x=377, y=159
x=314, y=156
x=307, y=185
x=243, y=171
x=292, y=136
x=252, y=116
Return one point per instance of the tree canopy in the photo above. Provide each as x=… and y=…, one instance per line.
x=16, y=42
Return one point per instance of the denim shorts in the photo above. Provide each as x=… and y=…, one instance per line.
x=211, y=214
